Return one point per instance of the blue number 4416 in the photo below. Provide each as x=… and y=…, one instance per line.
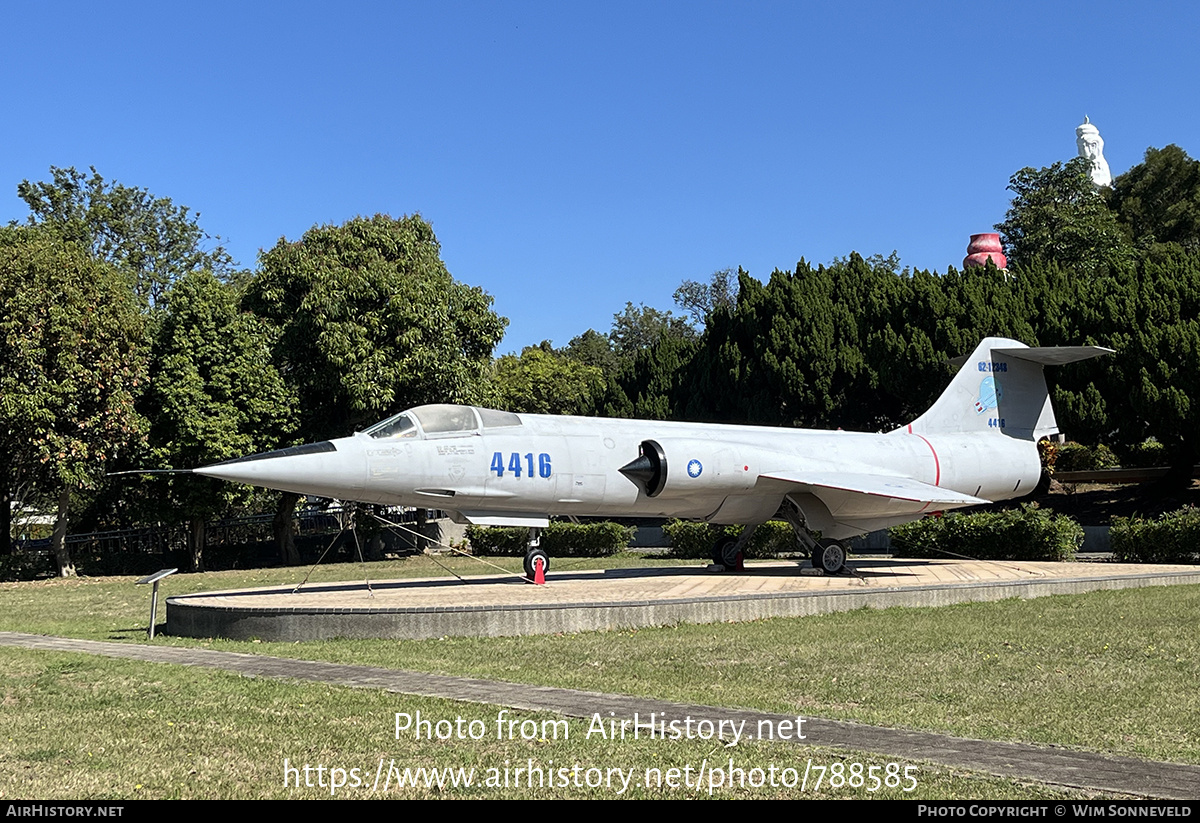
x=515, y=468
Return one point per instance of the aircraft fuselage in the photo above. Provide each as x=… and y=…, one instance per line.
x=976, y=443
x=556, y=465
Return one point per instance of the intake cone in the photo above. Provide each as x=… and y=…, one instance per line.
x=649, y=470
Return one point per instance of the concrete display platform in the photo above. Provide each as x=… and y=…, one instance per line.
x=630, y=598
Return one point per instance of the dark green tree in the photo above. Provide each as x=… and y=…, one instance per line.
x=71, y=363
x=151, y=237
x=214, y=395
x=1162, y=356
x=1149, y=311
x=370, y=322
x=787, y=354
x=855, y=344
x=903, y=324
x=640, y=327
x=1057, y=216
x=544, y=381
x=1158, y=200
x=651, y=385
x=702, y=300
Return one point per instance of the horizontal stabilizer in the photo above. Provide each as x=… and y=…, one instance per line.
x=1055, y=355
x=897, y=488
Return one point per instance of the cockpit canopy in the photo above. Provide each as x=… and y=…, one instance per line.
x=442, y=420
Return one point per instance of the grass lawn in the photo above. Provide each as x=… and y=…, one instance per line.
x=1108, y=671
x=79, y=726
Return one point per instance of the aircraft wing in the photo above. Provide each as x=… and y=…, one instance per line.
x=876, y=485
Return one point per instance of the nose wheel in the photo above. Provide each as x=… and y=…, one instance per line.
x=533, y=557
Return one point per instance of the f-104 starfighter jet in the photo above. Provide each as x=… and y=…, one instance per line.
x=976, y=444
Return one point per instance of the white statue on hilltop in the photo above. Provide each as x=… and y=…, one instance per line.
x=1091, y=146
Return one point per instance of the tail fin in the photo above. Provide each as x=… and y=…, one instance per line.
x=1001, y=389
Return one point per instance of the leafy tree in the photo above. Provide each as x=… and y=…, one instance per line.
x=214, y=395
x=543, y=381
x=71, y=363
x=370, y=322
x=592, y=349
x=1158, y=200
x=702, y=300
x=149, y=236
x=640, y=327
x=596, y=350
x=1058, y=216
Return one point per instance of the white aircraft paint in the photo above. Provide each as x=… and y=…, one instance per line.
x=976, y=444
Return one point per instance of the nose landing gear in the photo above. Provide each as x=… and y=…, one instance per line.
x=536, y=560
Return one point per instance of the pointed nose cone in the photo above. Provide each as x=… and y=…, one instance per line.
x=331, y=468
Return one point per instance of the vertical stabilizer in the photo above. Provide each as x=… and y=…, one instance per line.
x=1001, y=389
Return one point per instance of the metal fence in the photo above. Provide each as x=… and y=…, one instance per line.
x=130, y=550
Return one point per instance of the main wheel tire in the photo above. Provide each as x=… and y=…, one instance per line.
x=725, y=553
x=531, y=557
x=830, y=558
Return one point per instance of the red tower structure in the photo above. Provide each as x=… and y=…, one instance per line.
x=983, y=246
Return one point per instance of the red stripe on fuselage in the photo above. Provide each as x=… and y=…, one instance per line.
x=937, y=466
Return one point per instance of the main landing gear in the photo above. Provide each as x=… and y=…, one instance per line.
x=827, y=555
x=831, y=557
x=728, y=552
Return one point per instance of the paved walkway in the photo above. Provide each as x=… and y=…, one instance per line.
x=1047, y=765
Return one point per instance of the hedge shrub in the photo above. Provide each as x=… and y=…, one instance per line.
x=1149, y=453
x=695, y=540
x=1075, y=457
x=1028, y=533
x=558, y=539
x=1170, y=538
x=25, y=566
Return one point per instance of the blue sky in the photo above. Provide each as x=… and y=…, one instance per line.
x=573, y=156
